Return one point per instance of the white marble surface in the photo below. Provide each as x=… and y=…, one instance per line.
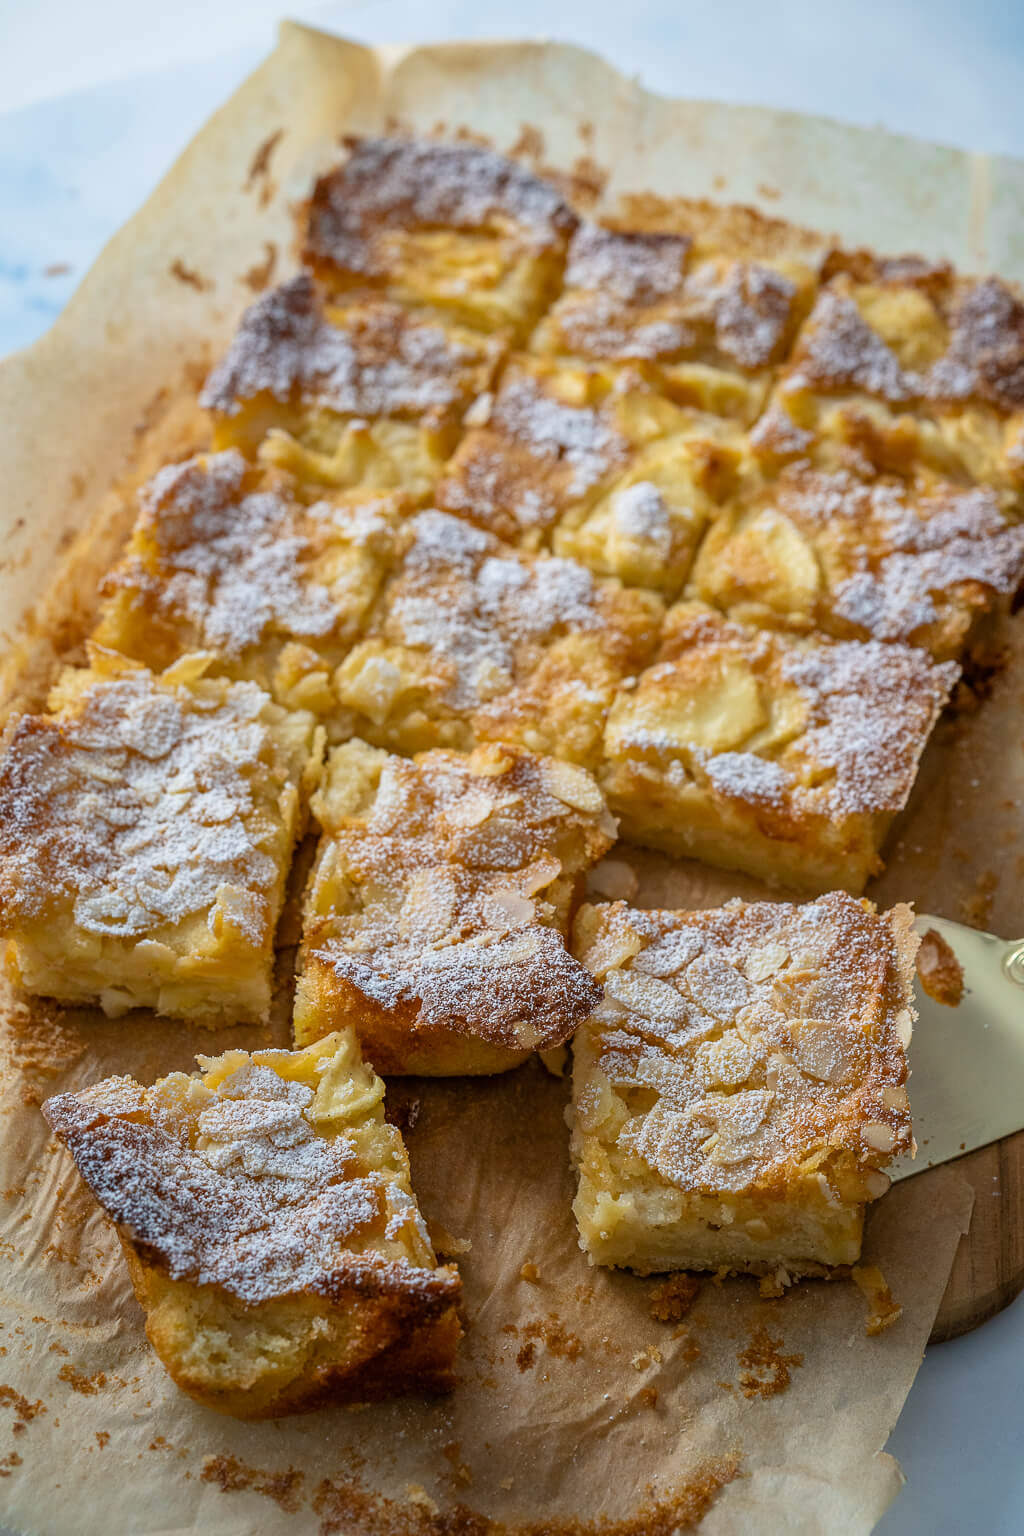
x=74, y=166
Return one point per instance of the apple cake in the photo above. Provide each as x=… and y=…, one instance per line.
x=740, y=1089
x=264, y=1208
x=438, y=907
x=900, y=366
x=784, y=756
x=453, y=228
x=357, y=394
x=709, y=324
x=473, y=641
x=227, y=558
x=560, y=436
x=146, y=831
x=931, y=564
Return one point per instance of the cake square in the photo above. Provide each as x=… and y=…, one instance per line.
x=784, y=756
x=560, y=436
x=146, y=830
x=903, y=366
x=712, y=323
x=740, y=1089
x=437, y=911
x=931, y=563
x=364, y=394
x=265, y=1210
x=474, y=641
x=452, y=227
x=228, y=558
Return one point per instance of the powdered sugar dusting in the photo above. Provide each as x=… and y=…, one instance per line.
x=232, y=565
x=250, y=1198
x=408, y=184
x=986, y=352
x=839, y=350
x=872, y=707
x=381, y=362
x=136, y=811
x=771, y=1032
x=459, y=861
x=474, y=608
x=749, y=305
x=636, y=268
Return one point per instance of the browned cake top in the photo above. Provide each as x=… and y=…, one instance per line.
x=250, y=1198
x=136, y=807
x=863, y=713
x=483, y=612
x=377, y=361
x=230, y=560
x=454, y=857
x=395, y=183
x=984, y=359
x=770, y=1036
x=741, y=309
x=901, y=548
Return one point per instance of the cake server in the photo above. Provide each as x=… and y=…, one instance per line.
x=967, y=1060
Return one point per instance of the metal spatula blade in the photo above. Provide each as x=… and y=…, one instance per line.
x=967, y=1062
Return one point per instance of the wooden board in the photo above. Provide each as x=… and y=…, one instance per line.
x=988, y=1271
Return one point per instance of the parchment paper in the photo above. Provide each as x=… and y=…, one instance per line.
x=574, y=1402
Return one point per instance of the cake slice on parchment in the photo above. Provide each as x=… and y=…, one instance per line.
x=146, y=831
x=274, y=1243
x=740, y=1089
x=438, y=909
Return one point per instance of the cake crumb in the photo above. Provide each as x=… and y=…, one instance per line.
x=766, y=1371
x=939, y=971
x=530, y=1273
x=671, y=1300
x=884, y=1309
x=419, y=1496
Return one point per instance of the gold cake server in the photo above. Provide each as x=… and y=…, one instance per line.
x=967, y=1061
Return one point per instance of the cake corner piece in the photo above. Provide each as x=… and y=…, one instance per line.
x=273, y=1240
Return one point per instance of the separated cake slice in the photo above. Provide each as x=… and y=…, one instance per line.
x=903, y=366
x=709, y=322
x=454, y=227
x=146, y=830
x=228, y=558
x=560, y=437
x=474, y=641
x=931, y=563
x=265, y=1210
x=784, y=756
x=363, y=395
x=740, y=1089
x=438, y=908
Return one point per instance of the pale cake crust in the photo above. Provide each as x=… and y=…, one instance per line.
x=740, y=1089
x=929, y=564
x=780, y=755
x=366, y=395
x=264, y=1207
x=229, y=558
x=474, y=641
x=146, y=830
x=454, y=227
x=437, y=910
